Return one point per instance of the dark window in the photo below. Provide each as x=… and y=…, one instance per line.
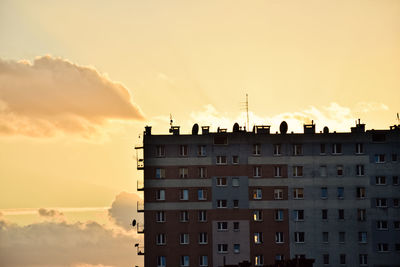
x=324, y=214
x=323, y=149
x=341, y=214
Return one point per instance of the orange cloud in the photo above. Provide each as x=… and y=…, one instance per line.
x=53, y=95
x=123, y=210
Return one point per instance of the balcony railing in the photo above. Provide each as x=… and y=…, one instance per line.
x=140, y=228
x=140, y=206
x=140, y=249
x=140, y=164
x=140, y=185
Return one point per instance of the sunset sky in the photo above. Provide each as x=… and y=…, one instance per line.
x=79, y=80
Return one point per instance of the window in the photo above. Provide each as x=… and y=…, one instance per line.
x=235, y=159
x=279, y=237
x=221, y=203
x=336, y=148
x=236, y=226
x=203, y=238
x=297, y=149
x=340, y=192
x=394, y=157
x=299, y=237
x=361, y=193
x=298, y=193
x=257, y=193
x=183, y=172
x=236, y=203
x=259, y=260
x=160, y=173
x=279, y=257
x=184, y=194
x=221, y=181
x=323, y=171
x=160, y=151
x=363, y=259
x=160, y=240
x=396, y=225
x=222, y=226
x=202, y=194
x=381, y=203
x=361, y=215
x=184, y=216
x=360, y=170
x=201, y=150
x=161, y=261
x=160, y=194
x=184, y=260
x=325, y=237
x=362, y=237
x=381, y=225
x=160, y=216
x=203, y=260
x=278, y=194
x=342, y=259
x=383, y=247
x=277, y=149
x=299, y=256
x=298, y=215
x=395, y=202
x=395, y=180
x=324, y=192
x=183, y=150
x=359, y=148
x=324, y=214
x=339, y=170
x=277, y=171
x=322, y=149
x=257, y=171
x=258, y=237
x=235, y=181
x=325, y=258
x=256, y=149
x=236, y=248
x=380, y=180
x=184, y=239
x=222, y=248
x=379, y=158
x=278, y=215
x=257, y=215
x=202, y=216
x=221, y=160
x=202, y=172
x=341, y=214
x=297, y=171
x=342, y=237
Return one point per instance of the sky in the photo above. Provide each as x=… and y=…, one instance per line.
x=79, y=80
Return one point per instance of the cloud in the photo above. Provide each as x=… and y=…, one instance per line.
x=335, y=116
x=63, y=244
x=123, y=210
x=53, y=95
x=51, y=214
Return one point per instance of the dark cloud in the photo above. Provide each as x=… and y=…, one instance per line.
x=53, y=95
x=49, y=213
x=123, y=209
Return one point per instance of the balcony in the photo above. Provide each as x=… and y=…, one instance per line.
x=139, y=157
x=140, y=228
x=140, y=206
x=140, y=164
x=140, y=249
x=140, y=185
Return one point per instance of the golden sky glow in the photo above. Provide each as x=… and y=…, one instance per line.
x=80, y=79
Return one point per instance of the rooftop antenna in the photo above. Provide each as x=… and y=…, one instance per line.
x=398, y=118
x=170, y=120
x=246, y=106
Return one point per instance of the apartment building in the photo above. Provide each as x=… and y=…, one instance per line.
x=221, y=198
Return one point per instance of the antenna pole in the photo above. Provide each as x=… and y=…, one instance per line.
x=247, y=110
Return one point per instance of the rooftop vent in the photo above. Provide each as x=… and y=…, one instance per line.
x=360, y=127
x=326, y=130
x=283, y=127
x=205, y=129
x=195, y=129
x=147, y=130
x=221, y=130
x=174, y=130
x=236, y=127
x=262, y=129
x=309, y=128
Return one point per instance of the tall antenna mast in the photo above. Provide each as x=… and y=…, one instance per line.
x=247, y=111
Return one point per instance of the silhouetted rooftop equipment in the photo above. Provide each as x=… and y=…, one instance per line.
x=360, y=127
x=283, y=127
x=221, y=130
x=262, y=129
x=195, y=129
x=326, y=130
x=205, y=129
x=236, y=127
x=309, y=128
x=174, y=130
x=147, y=130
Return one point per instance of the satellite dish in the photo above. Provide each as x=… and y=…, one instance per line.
x=283, y=127
x=326, y=130
x=133, y=223
x=195, y=129
x=236, y=127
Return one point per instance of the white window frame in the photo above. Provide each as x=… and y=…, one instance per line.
x=235, y=181
x=379, y=158
x=161, y=239
x=221, y=160
x=298, y=193
x=201, y=194
x=299, y=237
x=222, y=181
x=361, y=193
x=222, y=248
x=256, y=149
x=360, y=170
x=183, y=150
x=277, y=149
x=257, y=215
x=278, y=194
x=160, y=151
x=337, y=149
x=279, y=238
x=203, y=260
x=185, y=261
x=297, y=171
x=298, y=215
x=258, y=238
x=184, y=239
x=297, y=149
x=257, y=193
x=222, y=226
x=363, y=259
x=202, y=215
x=359, y=148
x=381, y=203
x=184, y=194
x=277, y=171
x=203, y=238
x=279, y=215
x=160, y=195
x=380, y=180
x=161, y=261
x=257, y=171
x=259, y=260
x=361, y=215
x=382, y=225
x=160, y=173
x=362, y=237
x=183, y=172
x=201, y=151
x=383, y=247
x=160, y=216
x=202, y=172
x=183, y=216
x=222, y=203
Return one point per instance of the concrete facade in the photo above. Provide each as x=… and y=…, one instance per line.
x=331, y=197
